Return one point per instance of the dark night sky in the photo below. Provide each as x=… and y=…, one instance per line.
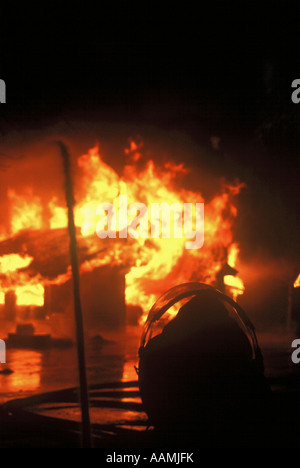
x=222, y=70
x=220, y=60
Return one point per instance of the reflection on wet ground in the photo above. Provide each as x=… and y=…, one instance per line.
x=38, y=371
x=115, y=407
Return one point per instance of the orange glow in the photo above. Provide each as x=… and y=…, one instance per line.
x=129, y=372
x=297, y=282
x=27, y=369
x=234, y=283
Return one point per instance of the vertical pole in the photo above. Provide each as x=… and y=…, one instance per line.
x=86, y=428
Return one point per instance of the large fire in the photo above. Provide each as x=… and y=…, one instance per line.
x=153, y=264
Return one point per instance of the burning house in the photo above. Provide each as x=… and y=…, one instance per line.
x=119, y=276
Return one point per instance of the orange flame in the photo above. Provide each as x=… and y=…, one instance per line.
x=153, y=264
x=297, y=282
x=235, y=283
x=26, y=211
x=13, y=262
x=31, y=293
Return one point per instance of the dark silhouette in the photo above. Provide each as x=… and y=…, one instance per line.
x=199, y=378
